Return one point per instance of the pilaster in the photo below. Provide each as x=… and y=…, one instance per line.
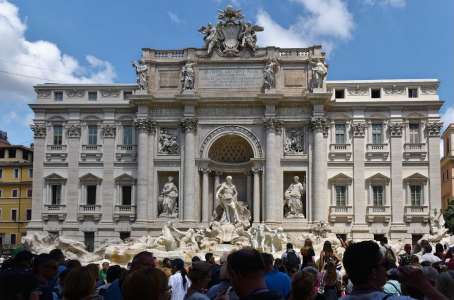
x=72, y=184
x=108, y=185
x=142, y=173
x=359, y=201
x=39, y=147
x=274, y=202
x=433, y=136
x=397, y=194
x=190, y=205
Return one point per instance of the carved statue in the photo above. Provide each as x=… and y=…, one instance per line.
x=166, y=239
x=230, y=210
x=275, y=238
x=211, y=37
x=188, y=238
x=258, y=233
x=269, y=75
x=187, y=76
x=142, y=76
x=294, y=141
x=167, y=142
x=293, y=197
x=319, y=72
x=168, y=199
x=248, y=36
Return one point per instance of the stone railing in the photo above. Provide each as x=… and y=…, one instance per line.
x=124, y=211
x=415, y=150
x=416, y=213
x=306, y=53
x=378, y=213
x=340, y=152
x=380, y=151
x=56, y=147
x=89, y=207
x=54, y=207
x=91, y=147
x=57, y=211
x=340, y=148
x=89, y=211
x=169, y=53
x=126, y=147
x=340, y=213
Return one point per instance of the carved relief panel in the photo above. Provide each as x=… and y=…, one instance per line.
x=168, y=141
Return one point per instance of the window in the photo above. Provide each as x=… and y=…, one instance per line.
x=24, y=155
x=29, y=193
x=55, y=194
x=126, y=195
x=412, y=93
x=127, y=94
x=14, y=214
x=58, y=96
x=89, y=240
x=92, y=135
x=92, y=96
x=125, y=235
x=339, y=93
x=377, y=134
x=378, y=195
x=29, y=214
x=58, y=135
x=414, y=133
x=14, y=193
x=0, y=196
x=1, y=172
x=2, y=153
x=16, y=173
x=13, y=239
x=340, y=133
x=30, y=172
x=127, y=135
x=416, y=196
x=91, y=194
x=341, y=195
x=375, y=93
x=12, y=153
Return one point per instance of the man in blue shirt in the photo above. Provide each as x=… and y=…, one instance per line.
x=276, y=281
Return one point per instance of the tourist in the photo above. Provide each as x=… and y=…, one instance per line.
x=392, y=285
x=330, y=285
x=16, y=278
x=143, y=259
x=195, y=259
x=113, y=273
x=223, y=287
x=72, y=264
x=275, y=280
x=279, y=265
x=80, y=284
x=179, y=281
x=314, y=271
x=247, y=275
x=364, y=264
x=103, y=272
x=428, y=258
x=166, y=266
x=59, y=257
x=291, y=260
x=406, y=258
x=303, y=286
x=215, y=269
x=440, y=252
x=94, y=268
x=387, y=252
x=307, y=253
x=445, y=284
x=45, y=268
x=199, y=274
x=146, y=284
x=327, y=254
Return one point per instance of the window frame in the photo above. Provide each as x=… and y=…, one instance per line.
x=90, y=93
x=16, y=192
x=58, y=195
x=130, y=129
x=338, y=201
x=374, y=133
x=343, y=134
x=28, y=215
x=92, y=137
x=410, y=94
x=15, y=214
x=375, y=201
x=374, y=90
x=59, y=97
x=414, y=135
x=57, y=139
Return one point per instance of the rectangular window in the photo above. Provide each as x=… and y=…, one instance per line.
x=29, y=193
x=92, y=135
x=127, y=135
x=416, y=196
x=92, y=96
x=58, y=96
x=375, y=93
x=58, y=135
x=340, y=133
x=124, y=235
x=378, y=195
x=14, y=214
x=16, y=173
x=2, y=153
x=29, y=214
x=30, y=173
x=127, y=94
x=89, y=240
x=91, y=194
x=0, y=196
x=24, y=155
x=412, y=93
x=1, y=172
x=14, y=193
x=377, y=134
x=339, y=93
x=13, y=239
x=55, y=194
x=341, y=195
x=414, y=133
x=126, y=195
x=12, y=153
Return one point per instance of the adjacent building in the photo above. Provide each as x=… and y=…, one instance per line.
x=447, y=167
x=366, y=151
x=16, y=173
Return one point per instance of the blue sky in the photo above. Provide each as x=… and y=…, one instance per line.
x=95, y=41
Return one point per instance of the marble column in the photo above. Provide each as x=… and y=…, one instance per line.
x=152, y=212
x=142, y=163
x=397, y=194
x=359, y=200
x=319, y=181
x=217, y=182
x=271, y=210
x=256, y=196
x=249, y=189
x=205, y=196
x=190, y=207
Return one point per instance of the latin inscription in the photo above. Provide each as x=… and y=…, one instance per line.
x=295, y=78
x=230, y=78
x=168, y=79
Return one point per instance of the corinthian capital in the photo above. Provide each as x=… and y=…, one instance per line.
x=189, y=124
x=320, y=124
x=433, y=129
x=39, y=131
x=273, y=124
x=395, y=129
x=73, y=131
x=359, y=129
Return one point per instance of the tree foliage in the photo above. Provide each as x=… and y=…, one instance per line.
x=449, y=216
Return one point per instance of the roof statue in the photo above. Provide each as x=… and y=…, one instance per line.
x=231, y=34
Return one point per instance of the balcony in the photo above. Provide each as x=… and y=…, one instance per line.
x=340, y=152
x=378, y=214
x=54, y=211
x=416, y=214
x=340, y=214
x=89, y=212
x=126, y=153
x=91, y=153
x=56, y=153
x=415, y=151
x=124, y=212
x=56, y=148
x=377, y=151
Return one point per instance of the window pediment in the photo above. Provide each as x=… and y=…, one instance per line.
x=54, y=178
x=340, y=178
x=416, y=178
x=125, y=179
x=90, y=178
x=378, y=178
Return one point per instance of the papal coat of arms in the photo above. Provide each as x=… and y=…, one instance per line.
x=230, y=34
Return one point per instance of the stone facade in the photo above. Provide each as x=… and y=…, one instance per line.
x=367, y=152
x=447, y=167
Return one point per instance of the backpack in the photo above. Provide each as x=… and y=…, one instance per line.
x=292, y=260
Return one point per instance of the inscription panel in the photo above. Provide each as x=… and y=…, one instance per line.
x=168, y=79
x=225, y=78
x=295, y=78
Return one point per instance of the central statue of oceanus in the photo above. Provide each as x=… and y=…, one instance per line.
x=229, y=209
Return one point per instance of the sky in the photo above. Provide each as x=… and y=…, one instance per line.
x=94, y=41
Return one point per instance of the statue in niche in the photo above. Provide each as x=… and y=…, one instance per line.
x=294, y=141
x=187, y=76
x=319, y=72
x=230, y=210
x=167, y=142
x=293, y=204
x=168, y=199
x=141, y=72
x=269, y=75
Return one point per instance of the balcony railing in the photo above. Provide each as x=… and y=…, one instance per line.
x=417, y=213
x=89, y=207
x=340, y=152
x=340, y=148
x=124, y=211
x=56, y=147
x=378, y=213
x=126, y=147
x=91, y=147
x=54, y=207
x=341, y=213
x=412, y=150
x=377, y=147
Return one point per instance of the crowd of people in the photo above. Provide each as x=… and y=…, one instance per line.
x=367, y=270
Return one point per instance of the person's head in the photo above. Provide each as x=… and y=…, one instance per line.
x=57, y=255
x=199, y=274
x=79, y=284
x=167, y=263
x=307, y=243
x=439, y=248
x=289, y=246
x=268, y=260
x=147, y=284
x=304, y=286
x=94, y=269
x=407, y=248
x=296, y=179
x=246, y=269
x=384, y=240
x=195, y=259
x=209, y=258
x=44, y=266
x=228, y=179
x=364, y=264
x=427, y=249
x=105, y=266
x=327, y=247
x=170, y=179
x=143, y=259
x=423, y=244
x=72, y=264
x=178, y=266
x=279, y=265
x=23, y=259
x=113, y=272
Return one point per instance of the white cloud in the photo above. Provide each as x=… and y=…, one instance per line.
x=392, y=3
x=174, y=17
